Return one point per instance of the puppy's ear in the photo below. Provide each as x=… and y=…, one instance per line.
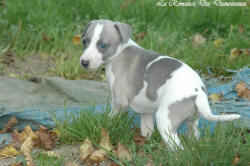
x=85, y=30
x=124, y=30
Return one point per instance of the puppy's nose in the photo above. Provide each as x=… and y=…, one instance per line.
x=85, y=63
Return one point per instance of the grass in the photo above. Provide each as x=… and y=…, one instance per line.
x=48, y=26
x=217, y=148
x=76, y=127
x=42, y=159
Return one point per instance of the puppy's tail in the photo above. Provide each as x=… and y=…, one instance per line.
x=202, y=105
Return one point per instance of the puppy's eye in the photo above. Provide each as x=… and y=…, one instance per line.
x=103, y=45
x=84, y=41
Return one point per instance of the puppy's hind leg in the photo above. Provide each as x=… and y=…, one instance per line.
x=192, y=127
x=147, y=124
x=167, y=129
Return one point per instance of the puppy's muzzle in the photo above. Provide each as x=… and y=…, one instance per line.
x=85, y=63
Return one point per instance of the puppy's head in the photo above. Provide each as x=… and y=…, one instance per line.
x=102, y=40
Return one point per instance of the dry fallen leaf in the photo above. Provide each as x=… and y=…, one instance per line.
x=45, y=141
x=105, y=140
x=8, y=151
x=138, y=138
x=30, y=163
x=77, y=40
x=126, y=3
x=28, y=145
x=242, y=90
x=218, y=43
x=198, y=39
x=70, y=163
x=216, y=97
x=86, y=149
x=140, y=36
x=98, y=156
x=150, y=163
x=12, y=122
x=45, y=37
x=236, y=53
x=236, y=158
x=17, y=164
x=123, y=153
x=241, y=29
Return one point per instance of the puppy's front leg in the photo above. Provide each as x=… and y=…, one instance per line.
x=147, y=124
x=117, y=106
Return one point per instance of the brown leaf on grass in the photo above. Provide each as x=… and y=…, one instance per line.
x=30, y=163
x=44, y=140
x=28, y=145
x=216, y=97
x=70, y=163
x=86, y=148
x=236, y=158
x=236, y=53
x=140, y=36
x=8, y=151
x=105, y=140
x=98, y=156
x=126, y=3
x=77, y=40
x=242, y=90
x=150, y=163
x=12, y=122
x=123, y=153
x=7, y=58
x=241, y=29
x=218, y=43
x=138, y=138
x=45, y=37
x=114, y=164
x=16, y=164
x=21, y=137
x=198, y=39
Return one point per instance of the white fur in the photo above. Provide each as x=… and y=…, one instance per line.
x=91, y=53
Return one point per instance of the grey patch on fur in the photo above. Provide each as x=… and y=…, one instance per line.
x=204, y=89
x=158, y=73
x=181, y=111
x=85, y=30
x=130, y=83
x=196, y=89
x=88, y=33
x=111, y=37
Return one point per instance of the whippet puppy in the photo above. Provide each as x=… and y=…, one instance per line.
x=147, y=82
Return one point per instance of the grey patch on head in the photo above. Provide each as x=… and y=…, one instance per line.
x=130, y=67
x=124, y=31
x=86, y=28
x=204, y=89
x=180, y=111
x=196, y=89
x=111, y=37
x=88, y=32
x=158, y=73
